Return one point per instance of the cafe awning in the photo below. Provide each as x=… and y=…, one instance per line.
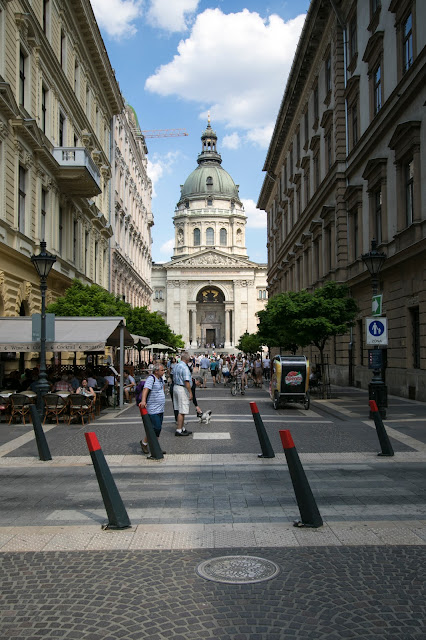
x=71, y=334
x=144, y=341
x=160, y=347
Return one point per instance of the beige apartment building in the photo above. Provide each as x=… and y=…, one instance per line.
x=346, y=165
x=58, y=96
x=132, y=218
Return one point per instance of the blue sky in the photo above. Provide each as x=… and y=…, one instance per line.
x=177, y=59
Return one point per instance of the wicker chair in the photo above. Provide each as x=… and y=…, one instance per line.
x=54, y=407
x=79, y=407
x=19, y=406
x=4, y=406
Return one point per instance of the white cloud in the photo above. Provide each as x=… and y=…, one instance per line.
x=117, y=16
x=237, y=64
x=171, y=15
x=168, y=247
x=160, y=165
x=256, y=219
x=231, y=141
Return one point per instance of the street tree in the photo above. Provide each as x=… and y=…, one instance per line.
x=250, y=343
x=300, y=318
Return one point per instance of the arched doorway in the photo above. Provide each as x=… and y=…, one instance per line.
x=211, y=316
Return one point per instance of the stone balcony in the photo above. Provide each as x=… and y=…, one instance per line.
x=77, y=175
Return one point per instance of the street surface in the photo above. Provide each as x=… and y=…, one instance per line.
x=361, y=575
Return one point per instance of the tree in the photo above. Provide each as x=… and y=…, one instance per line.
x=249, y=343
x=300, y=318
x=91, y=301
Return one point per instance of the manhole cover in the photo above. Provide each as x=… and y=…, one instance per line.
x=238, y=569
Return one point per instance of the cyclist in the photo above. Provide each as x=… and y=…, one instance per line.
x=238, y=370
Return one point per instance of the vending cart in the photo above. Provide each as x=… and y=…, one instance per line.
x=290, y=381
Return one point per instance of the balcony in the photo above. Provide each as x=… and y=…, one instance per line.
x=77, y=174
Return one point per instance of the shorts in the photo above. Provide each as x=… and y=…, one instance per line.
x=181, y=399
x=204, y=372
x=214, y=372
x=157, y=422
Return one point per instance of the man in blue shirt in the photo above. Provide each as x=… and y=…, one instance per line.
x=204, y=368
x=182, y=393
x=153, y=399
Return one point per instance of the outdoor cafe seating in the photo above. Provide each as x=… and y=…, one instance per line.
x=55, y=406
x=79, y=407
x=19, y=407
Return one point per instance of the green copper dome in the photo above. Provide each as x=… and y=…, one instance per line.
x=209, y=178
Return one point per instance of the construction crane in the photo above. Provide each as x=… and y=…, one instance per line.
x=160, y=133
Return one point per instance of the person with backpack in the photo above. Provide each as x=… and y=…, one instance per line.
x=153, y=400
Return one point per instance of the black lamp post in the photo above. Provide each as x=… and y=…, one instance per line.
x=139, y=346
x=377, y=389
x=43, y=263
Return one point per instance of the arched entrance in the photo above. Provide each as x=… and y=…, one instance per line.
x=211, y=316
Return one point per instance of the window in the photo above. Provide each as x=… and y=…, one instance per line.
x=298, y=147
x=209, y=202
x=355, y=234
x=209, y=182
x=407, y=43
x=43, y=109
x=74, y=241
x=260, y=294
x=77, y=79
x=88, y=105
x=62, y=56
x=415, y=332
x=96, y=249
x=210, y=236
x=328, y=74
x=307, y=185
x=22, y=77
x=409, y=192
x=223, y=237
x=86, y=252
x=353, y=38
x=157, y=295
x=377, y=88
x=43, y=213
x=317, y=178
x=21, y=198
x=197, y=238
x=306, y=128
x=354, y=134
x=316, y=105
x=46, y=4
x=61, y=138
x=328, y=149
x=61, y=229
x=378, y=215
x=352, y=101
x=291, y=160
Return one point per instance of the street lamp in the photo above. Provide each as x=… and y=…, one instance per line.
x=377, y=389
x=43, y=263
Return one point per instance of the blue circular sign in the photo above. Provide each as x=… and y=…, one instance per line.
x=376, y=328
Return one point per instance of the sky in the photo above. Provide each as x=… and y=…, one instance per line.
x=176, y=60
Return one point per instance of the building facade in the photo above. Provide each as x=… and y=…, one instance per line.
x=209, y=292
x=346, y=165
x=132, y=220
x=58, y=96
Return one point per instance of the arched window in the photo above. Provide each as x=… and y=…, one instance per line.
x=157, y=295
x=210, y=236
x=209, y=181
x=223, y=237
x=197, y=238
x=209, y=202
x=264, y=294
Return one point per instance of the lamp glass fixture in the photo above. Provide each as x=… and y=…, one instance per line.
x=43, y=262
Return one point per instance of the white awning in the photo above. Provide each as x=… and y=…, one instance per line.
x=144, y=341
x=71, y=334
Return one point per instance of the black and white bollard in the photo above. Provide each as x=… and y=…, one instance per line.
x=116, y=511
x=265, y=444
x=309, y=512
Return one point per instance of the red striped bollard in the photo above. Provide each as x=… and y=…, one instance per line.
x=116, y=511
x=385, y=444
x=309, y=512
x=265, y=444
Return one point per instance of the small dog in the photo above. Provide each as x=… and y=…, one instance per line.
x=205, y=417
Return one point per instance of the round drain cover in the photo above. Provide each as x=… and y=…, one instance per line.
x=238, y=569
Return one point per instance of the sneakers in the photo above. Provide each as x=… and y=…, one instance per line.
x=144, y=447
x=183, y=433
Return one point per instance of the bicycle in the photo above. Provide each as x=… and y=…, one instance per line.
x=236, y=386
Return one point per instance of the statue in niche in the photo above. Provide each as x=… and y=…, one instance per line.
x=210, y=295
x=180, y=237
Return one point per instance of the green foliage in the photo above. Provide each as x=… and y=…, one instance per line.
x=88, y=300
x=299, y=318
x=249, y=343
x=92, y=301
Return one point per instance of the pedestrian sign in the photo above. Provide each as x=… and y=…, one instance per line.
x=376, y=305
x=377, y=331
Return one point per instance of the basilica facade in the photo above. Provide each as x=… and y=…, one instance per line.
x=209, y=292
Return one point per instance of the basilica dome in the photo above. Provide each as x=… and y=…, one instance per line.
x=209, y=178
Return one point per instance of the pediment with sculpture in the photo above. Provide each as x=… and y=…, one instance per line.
x=211, y=259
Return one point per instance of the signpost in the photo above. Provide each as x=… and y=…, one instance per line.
x=377, y=331
x=376, y=305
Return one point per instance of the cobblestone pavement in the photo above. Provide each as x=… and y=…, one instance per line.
x=361, y=575
x=319, y=594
